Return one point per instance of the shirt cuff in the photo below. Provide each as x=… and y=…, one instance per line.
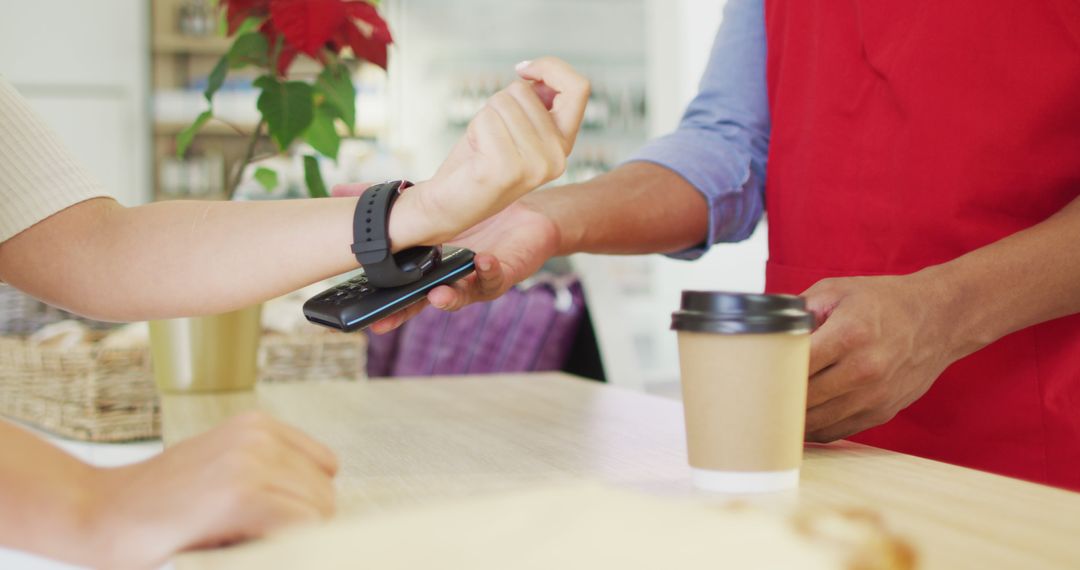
x=725, y=177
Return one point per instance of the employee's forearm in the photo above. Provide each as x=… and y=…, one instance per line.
x=188, y=258
x=45, y=501
x=636, y=208
x=1030, y=277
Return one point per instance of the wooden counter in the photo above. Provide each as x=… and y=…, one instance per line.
x=413, y=441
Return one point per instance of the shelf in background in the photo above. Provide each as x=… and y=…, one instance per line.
x=219, y=129
x=195, y=45
x=214, y=128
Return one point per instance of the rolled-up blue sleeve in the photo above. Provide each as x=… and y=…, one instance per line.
x=722, y=143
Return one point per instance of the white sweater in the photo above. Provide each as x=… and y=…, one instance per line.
x=38, y=176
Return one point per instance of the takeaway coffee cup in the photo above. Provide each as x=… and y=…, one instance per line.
x=744, y=359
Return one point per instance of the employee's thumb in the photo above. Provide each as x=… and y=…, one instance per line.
x=822, y=298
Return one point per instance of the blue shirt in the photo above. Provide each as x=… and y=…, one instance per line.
x=722, y=143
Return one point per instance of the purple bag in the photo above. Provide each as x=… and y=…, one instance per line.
x=530, y=328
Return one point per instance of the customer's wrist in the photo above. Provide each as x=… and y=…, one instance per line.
x=414, y=220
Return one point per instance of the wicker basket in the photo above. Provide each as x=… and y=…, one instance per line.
x=21, y=314
x=312, y=357
x=84, y=393
x=107, y=394
x=101, y=394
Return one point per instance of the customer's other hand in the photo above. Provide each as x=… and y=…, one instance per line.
x=241, y=480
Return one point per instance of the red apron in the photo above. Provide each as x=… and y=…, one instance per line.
x=905, y=134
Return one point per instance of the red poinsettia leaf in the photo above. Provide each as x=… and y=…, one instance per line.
x=336, y=43
x=237, y=11
x=340, y=39
x=362, y=10
x=365, y=47
x=307, y=24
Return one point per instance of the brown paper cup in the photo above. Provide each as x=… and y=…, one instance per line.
x=744, y=361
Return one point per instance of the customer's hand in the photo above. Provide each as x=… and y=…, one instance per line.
x=519, y=141
x=883, y=343
x=247, y=477
x=509, y=246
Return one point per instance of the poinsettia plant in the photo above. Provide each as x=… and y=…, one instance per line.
x=269, y=36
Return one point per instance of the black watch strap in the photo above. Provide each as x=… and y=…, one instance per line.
x=371, y=240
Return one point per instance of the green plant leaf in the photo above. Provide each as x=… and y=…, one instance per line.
x=288, y=108
x=322, y=135
x=313, y=178
x=183, y=140
x=249, y=49
x=249, y=25
x=216, y=78
x=268, y=178
x=336, y=86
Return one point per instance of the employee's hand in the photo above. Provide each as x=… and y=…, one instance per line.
x=519, y=141
x=882, y=343
x=239, y=481
x=511, y=246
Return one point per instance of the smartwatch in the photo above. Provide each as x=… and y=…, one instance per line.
x=371, y=240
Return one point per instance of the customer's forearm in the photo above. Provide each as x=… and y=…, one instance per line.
x=637, y=208
x=45, y=504
x=1025, y=279
x=189, y=258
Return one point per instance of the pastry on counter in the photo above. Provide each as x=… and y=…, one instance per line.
x=579, y=527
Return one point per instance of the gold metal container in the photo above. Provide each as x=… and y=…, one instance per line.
x=218, y=353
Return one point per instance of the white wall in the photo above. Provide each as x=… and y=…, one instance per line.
x=632, y=319
x=84, y=66
x=679, y=39
x=438, y=42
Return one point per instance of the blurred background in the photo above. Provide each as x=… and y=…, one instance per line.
x=119, y=79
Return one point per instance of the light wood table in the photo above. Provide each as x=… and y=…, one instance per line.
x=414, y=441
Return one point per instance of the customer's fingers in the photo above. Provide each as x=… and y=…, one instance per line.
x=303, y=480
x=277, y=510
x=568, y=106
x=259, y=430
x=544, y=93
x=322, y=456
x=541, y=119
x=527, y=140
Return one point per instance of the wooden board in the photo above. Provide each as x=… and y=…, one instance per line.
x=413, y=442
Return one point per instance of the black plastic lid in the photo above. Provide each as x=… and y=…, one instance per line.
x=741, y=313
